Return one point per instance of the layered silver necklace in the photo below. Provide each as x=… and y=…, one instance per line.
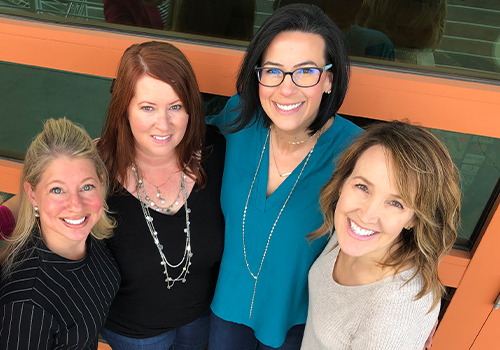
x=256, y=276
x=188, y=254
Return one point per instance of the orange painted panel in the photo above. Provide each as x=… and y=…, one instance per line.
x=474, y=298
x=97, y=53
x=10, y=175
x=488, y=338
x=102, y=346
x=430, y=101
x=452, y=268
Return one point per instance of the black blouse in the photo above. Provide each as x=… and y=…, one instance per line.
x=144, y=307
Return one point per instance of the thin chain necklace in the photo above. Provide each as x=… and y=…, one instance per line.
x=271, y=148
x=186, y=259
x=155, y=206
x=293, y=142
x=256, y=276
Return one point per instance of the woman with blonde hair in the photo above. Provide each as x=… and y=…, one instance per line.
x=391, y=209
x=58, y=278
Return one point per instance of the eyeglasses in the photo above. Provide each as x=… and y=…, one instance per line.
x=302, y=77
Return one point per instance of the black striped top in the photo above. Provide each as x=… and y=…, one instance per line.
x=51, y=302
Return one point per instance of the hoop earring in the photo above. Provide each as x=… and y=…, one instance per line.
x=37, y=214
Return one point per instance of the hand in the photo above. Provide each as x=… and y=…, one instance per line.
x=428, y=342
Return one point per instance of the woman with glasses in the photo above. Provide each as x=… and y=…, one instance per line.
x=282, y=138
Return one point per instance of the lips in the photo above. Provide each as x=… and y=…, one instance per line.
x=360, y=231
x=161, y=138
x=287, y=108
x=75, y=222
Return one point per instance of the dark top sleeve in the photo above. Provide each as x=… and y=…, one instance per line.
x=26, y=326
x=7, y=222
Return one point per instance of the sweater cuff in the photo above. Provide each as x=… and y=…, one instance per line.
x=7, y=222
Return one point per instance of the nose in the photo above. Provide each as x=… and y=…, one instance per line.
x=163, y=120
x=370, y=211
x=75, y=202
x=287, y=87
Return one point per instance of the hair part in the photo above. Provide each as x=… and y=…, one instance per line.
x=427, y=181
x=59, y=138
x=301, y=18
x=167, y=63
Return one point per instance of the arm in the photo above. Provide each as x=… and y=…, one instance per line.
x=25, y=326
x=8, y=215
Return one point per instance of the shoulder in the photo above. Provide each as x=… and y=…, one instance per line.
x=227, y=115
x=21, y=282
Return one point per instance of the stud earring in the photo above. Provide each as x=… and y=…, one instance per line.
x=328, y=92
x=37, y=214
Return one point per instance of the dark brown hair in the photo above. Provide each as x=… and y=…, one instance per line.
x=164, y=62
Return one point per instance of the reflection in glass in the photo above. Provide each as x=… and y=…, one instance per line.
x=478, y=159
x=221, y=18
x=415, y=27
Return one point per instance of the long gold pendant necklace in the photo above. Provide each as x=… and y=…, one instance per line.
x=256, y=276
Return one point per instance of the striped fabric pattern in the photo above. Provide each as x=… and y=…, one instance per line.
x=51, y=302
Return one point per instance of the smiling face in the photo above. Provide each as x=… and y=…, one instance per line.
x=291, y=108
x=370, y=213
x=69, y=197
x=157, y=118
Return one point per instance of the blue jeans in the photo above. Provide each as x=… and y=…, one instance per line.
x=225, y=335
x=193, y=336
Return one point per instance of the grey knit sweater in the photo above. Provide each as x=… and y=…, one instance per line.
x=377, y=316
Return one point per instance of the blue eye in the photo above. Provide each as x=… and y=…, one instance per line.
x=397, y=204
x=56, y=190
x=362, y=187
x=88, y=187
x=147, y=108
x=176, y=107
x=273, y=72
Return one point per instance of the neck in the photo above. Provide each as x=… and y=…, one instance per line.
x=158, y=164
x=68, y=250
x=364, y=270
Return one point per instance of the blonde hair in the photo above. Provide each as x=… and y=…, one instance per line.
x=426, y=179
x=409, y=23
x=59, y=138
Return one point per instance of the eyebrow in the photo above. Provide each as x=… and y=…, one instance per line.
x=61, y=182
x=306, y=63
x=397, y=196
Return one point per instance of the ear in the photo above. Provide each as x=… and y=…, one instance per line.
x=328, y=81
x=30, y=193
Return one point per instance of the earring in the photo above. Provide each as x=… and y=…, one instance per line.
x=37, y=214
x=328, y=92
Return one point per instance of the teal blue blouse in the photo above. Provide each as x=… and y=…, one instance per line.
x=281, y=296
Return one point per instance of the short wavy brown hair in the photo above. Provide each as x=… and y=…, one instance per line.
x=426, y=179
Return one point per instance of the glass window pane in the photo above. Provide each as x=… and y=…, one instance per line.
x=449, y=36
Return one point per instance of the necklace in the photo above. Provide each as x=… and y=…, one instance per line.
x=256, y=276
x=293, y=142
x=155, y=206
x=276, y=163
x=158, y=194
x=186, y=259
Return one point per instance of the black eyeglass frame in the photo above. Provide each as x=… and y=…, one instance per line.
x=321, y=70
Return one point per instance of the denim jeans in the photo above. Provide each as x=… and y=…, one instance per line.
x=225, y=335
x=193, y=336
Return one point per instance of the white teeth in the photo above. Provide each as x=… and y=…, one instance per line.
x=360, y=231
x=288, y=107
x=161, y=138
x=75, y=222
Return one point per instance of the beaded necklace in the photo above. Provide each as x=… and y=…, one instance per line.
x=186, y=259
x=256, y=276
